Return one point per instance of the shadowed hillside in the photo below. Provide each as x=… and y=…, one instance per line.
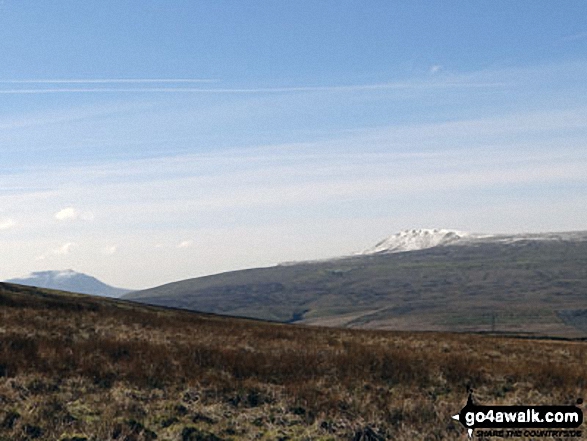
x=526, y=286
x=75, y=367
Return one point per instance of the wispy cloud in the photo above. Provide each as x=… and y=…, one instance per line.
x=495, y=78
x=181, y=188
x=465, y=154
x=109, y=81
x=294, y=201
x=289, y=196
x=453, y=83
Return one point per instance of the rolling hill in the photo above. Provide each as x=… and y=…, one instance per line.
x=518, y=283
x=75, y=367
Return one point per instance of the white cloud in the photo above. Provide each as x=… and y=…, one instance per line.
x=62, y=250
x=68, y=213
x=71, y=213
x=185, y=244
x=7, y=224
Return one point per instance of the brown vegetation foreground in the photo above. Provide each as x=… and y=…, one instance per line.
x=76, y=367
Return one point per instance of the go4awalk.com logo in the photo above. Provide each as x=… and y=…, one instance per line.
x=521, y=421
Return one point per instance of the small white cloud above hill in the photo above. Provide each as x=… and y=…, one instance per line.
x=70, y=213
x=6, y=224
x=61, y=250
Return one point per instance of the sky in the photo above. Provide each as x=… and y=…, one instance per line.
x=147, y=141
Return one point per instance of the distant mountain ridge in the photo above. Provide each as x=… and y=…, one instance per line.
x=69, y=280
x=414, y=280
x=420, y=239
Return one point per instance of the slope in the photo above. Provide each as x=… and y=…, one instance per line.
x=525, y=285
x=78, y=367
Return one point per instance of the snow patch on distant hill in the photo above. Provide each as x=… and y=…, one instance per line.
x=417, y=239
x=69, y=280
x=420, y=239
x=66, y=274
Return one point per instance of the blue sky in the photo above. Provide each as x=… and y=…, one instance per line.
x=147, y=141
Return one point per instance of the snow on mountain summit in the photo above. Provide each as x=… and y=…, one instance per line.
x=65, y=274
x=69, y=280
x=416, y=239
x=419, y=239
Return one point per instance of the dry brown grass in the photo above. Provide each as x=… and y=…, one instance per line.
x=74, y=367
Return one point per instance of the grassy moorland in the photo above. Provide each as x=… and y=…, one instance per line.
x=526, y=286
x=75, y=367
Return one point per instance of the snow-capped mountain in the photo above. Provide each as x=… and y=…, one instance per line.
x=419, y=239
x=69, y=280
x=413, y=280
